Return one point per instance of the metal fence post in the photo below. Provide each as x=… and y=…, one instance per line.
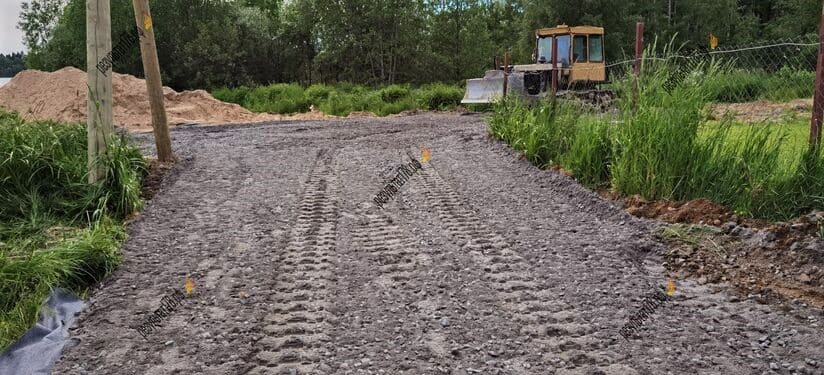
x=554, y=66
x=506, y=72
x=818, y=100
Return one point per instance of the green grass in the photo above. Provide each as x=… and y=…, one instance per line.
x=342, y=99
x=664, y=146
x=738, y=86
x=55, y=228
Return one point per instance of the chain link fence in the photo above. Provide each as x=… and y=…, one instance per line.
x=769, y=81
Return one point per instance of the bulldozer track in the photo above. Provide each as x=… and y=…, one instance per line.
x=540, y=315
x=298, y=324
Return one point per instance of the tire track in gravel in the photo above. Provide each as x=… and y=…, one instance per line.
x=398, y=268
x=298, y=325
x=538, y=313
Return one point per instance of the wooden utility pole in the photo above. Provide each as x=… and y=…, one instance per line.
x=99, y=102
x=151, y=69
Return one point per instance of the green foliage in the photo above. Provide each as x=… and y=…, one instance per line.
x=317, y=94
x=342, y=99
x=12, y=64
x=277, y=98
x=591, y=153
x=236, y=95
x=661, y=145
x=44, y=166
x=439, y=96
x=739, y=86
x=210, y=44
x=56, y=229
x=394, y=93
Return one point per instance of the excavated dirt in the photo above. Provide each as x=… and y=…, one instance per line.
x=699, y=211
x=775, y=261
x=61, y=96
x=768, y=270
x=482, y=264
x=762, y=110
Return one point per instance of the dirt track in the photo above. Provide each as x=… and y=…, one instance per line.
x=482, y=264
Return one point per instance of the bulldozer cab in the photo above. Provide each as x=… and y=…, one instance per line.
x=580, y=66
x=580, y=49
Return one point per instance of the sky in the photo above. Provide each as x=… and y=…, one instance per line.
x=11, y=38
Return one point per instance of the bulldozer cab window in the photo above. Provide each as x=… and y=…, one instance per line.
x=563, y=50
x=579, y=48
x=596, y=48
x=544, y=50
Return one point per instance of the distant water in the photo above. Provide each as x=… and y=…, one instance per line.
x=4, y=80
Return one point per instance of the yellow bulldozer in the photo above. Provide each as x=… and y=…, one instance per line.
x=579, y=67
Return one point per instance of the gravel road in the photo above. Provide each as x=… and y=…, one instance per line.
x=482, y=264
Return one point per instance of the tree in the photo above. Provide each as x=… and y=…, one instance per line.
x=38, y=19
x=11, y=64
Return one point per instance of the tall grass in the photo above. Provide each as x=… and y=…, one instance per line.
x=661, y=145
x=342, y=99
x=738, y=85
x=55, y=228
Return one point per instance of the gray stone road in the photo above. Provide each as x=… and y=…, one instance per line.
x=482, y=264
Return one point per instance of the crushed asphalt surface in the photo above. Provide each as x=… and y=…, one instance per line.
x=482, y=264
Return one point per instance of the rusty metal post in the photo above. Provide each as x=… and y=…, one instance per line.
x=506, y=72
x=554, y=70
x=818, y=100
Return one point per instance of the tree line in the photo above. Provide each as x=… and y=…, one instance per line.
x=11, y=64
x=213, y=43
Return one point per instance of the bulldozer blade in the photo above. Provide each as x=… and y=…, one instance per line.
x=490, y=88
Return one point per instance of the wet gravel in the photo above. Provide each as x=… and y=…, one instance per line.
x=482, y=264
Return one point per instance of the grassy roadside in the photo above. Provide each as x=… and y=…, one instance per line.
x=55, y=228
x=342, y=99
x=666, y=147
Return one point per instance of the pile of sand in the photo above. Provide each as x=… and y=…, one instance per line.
x=61, y=96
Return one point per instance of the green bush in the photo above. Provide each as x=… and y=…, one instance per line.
x=394, y=93
x=439, y=96
x=238, y=95
x=277, y=98
x=317, y=94
x=343, y=98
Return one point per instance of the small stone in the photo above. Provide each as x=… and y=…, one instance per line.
x=167, y=343
x=445, y=322
x=774, y=366
x=804, y=278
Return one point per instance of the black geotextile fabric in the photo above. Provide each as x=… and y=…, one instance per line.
x=38, y=349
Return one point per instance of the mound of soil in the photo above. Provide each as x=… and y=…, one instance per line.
x=773, y=267
x=61, y=96
x=699, y=211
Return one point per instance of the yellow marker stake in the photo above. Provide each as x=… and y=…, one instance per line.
x=147, y=22
x=425, y=154
x=190, y=285
x=670, y=287
x=713, y=41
